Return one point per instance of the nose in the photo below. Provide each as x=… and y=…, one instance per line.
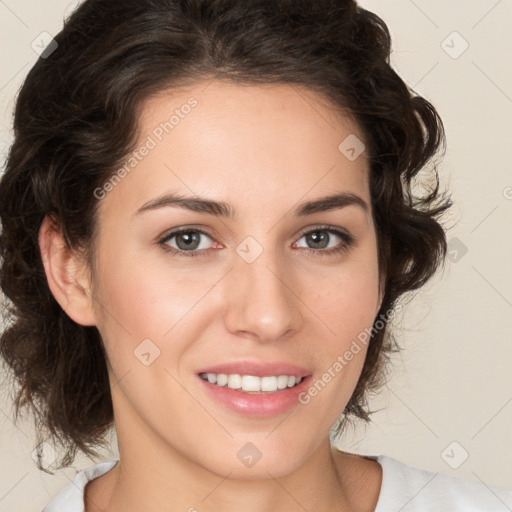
x=263, y=301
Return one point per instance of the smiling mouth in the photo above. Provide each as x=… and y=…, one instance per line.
x=252, y=384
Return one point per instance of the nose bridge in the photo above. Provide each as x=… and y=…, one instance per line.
x=261, y=301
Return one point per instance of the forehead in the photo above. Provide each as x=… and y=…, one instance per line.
x=242, y=142
x=262, y=107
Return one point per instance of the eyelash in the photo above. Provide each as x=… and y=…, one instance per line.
x=348, y=240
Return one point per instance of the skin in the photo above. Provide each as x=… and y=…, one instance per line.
x=263, y=149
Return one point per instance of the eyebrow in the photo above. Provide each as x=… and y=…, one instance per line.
x=222, y=209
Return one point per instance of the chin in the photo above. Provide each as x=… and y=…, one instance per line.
x=254, y=460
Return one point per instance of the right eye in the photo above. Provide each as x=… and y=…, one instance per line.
x=186, y=241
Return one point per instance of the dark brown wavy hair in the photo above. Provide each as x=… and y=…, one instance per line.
x=76, y=121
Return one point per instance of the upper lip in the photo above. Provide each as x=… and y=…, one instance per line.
x=256, y=368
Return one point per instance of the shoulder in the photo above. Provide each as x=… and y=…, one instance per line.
x=71, y=497
x=413, y=490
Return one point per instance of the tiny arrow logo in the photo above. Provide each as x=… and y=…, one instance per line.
x=146, y=352
x=351, y=147
x=44, y=45
x=249, y=455
x=456, y=249
x=454, y=455
x=454, y=45
x=249, y=249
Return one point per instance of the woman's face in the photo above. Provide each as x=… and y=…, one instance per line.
x=268, y=280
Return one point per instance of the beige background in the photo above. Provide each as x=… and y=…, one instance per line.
x=452, y=382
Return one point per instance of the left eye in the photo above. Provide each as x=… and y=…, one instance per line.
x=321, y=238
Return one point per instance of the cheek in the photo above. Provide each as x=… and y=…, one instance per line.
x=150, y=323
x=346, y=311
x=138, y=301
x=347, y=302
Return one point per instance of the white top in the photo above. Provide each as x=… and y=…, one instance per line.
x=404, y=489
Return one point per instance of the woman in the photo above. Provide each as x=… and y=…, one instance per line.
x=207, y=224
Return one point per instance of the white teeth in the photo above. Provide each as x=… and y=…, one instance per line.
x=234, y=381
x=222, y=379
x=251, y=383
x=282, y=382
x=268, y=383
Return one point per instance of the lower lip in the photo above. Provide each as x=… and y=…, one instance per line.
x=257, y=405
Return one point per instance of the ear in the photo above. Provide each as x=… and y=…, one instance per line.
x=67, y=274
